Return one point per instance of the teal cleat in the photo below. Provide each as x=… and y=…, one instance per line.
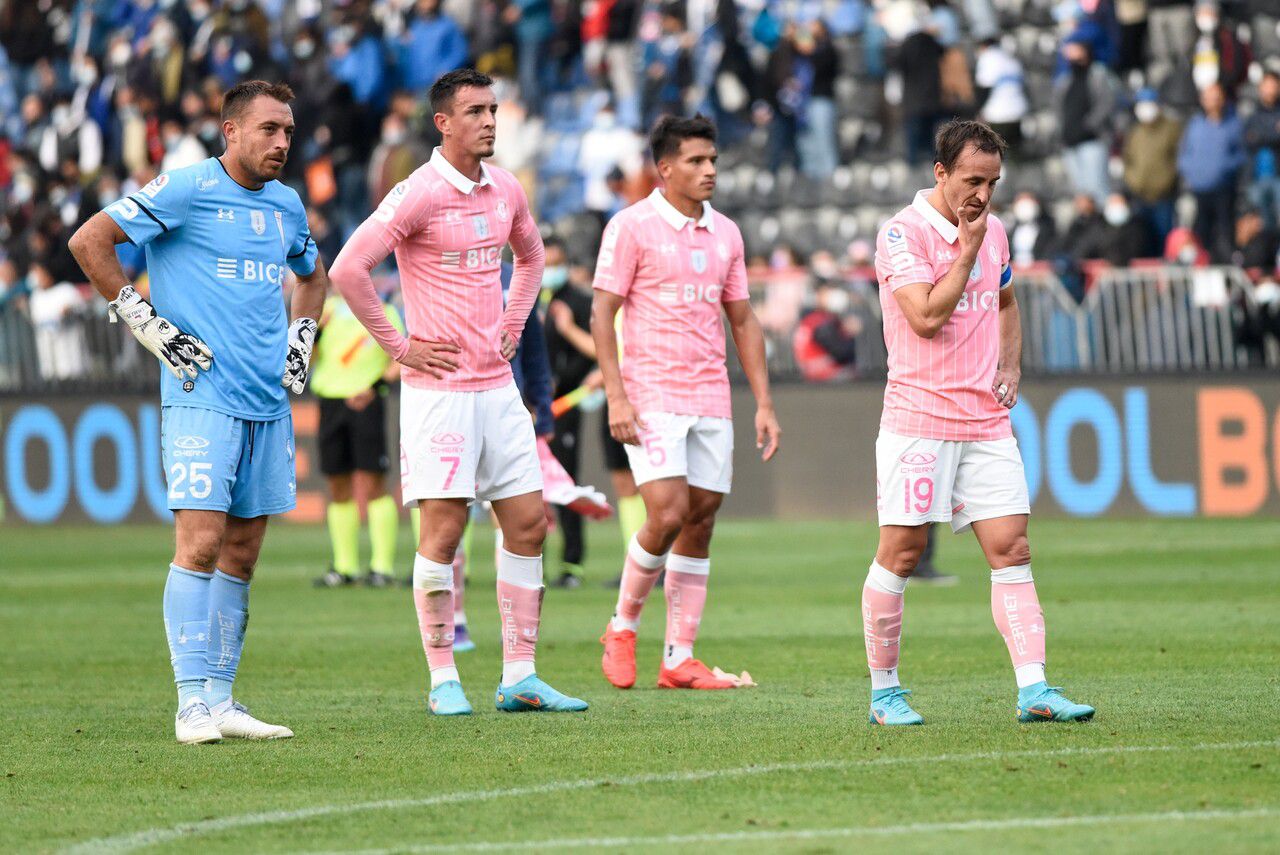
x=1042, y=702
x=533, y=695
x=447, y=699
x=889, y=706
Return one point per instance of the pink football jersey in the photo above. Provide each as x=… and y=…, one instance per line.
x=447, y=233
x=673, y=274
x=940, y=388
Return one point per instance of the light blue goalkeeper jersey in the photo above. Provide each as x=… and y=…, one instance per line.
x=216, y=258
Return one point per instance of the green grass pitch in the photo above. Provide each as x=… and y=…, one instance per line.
x=1170, y=628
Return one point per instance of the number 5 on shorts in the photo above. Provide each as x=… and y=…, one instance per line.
x=453, y=462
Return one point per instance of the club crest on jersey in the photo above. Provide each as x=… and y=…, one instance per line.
x=501, y=210
x=722, y=250
x=259, y=222
x=976, y=273
x=698, y=258
x=480, y=223
x=993, y=254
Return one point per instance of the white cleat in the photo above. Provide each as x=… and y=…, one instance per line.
x=234, y=722
x=194, y=724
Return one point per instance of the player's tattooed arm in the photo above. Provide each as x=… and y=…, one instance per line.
x=94, y=248
x=308, y=304
x=1009, y=366
x=748, y=338
x=928, y=307
x=624, y=422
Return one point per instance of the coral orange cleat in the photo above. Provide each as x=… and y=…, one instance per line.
x=619, y=660
x=692, y=674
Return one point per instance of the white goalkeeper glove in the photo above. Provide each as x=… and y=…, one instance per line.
x=182, y=353
x=297, y=360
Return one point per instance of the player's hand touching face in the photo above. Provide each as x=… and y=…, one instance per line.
x=969, y=186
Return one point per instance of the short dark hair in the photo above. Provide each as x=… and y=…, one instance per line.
x=444, y=89
x=669, y=131
x=237, y=99
x=958, y=133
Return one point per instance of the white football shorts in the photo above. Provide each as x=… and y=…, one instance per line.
x=466, y=445
x=921, y=480
x=696, y=448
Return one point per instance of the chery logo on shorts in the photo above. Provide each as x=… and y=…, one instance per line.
x=447, y=441
x=190, y=446
x=918, y=458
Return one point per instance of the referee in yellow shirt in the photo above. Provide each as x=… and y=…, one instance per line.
x=349, y=375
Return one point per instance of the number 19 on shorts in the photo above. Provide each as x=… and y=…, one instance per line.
x=917, y=495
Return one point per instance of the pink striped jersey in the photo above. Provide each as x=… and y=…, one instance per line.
x=673, y=273
x=940, y=388
x=447, y=233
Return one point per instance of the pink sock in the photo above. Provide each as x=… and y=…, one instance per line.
x=435, y=622
x=1016, y=610
x=881, y=627
x=639, y=572
x=686, y=597
x=519, y=609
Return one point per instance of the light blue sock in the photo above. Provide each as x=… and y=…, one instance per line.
x=228, y=617
x=186, y=625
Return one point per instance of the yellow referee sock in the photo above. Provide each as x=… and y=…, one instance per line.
x=384, y=527
x=631, y=516
x=344, y=535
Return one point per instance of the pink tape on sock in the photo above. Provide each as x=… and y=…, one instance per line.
x=637, y=582
x=686, y=597
x=520, y=610
x=1017, y=613
x=881, y=627
x=435, y=622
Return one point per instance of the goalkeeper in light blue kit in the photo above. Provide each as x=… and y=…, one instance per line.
x=219, y=238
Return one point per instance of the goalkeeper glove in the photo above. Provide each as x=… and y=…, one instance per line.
x=297, y=360
x=182, y=353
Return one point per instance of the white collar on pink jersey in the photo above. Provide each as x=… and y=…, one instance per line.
x=449, y=173
x=941, y=224
x=677, y=220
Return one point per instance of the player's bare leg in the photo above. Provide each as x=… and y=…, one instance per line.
x=228, y=618
x=666, y=502
x=443, y=521
x=186, y=618
x=897, y=556
x=1015, y=607
x=523, y=522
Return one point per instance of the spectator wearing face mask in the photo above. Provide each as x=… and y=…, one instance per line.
x=181, y=147
x=1262, y=138
x=1034, y=237
x=57, y=309
x=1219, y=56
x=1085, y=97
x=1125, y=238
x=825, y=342
x=1209, y=160
x=1085, y=238
x=1150, y=168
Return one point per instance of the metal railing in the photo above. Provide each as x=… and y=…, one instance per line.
x=1158, y=319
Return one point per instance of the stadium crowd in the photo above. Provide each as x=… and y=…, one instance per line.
x=1140, y=129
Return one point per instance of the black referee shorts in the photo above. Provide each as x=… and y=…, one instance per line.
x=352, y=440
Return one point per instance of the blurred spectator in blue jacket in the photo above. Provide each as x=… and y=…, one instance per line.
x=1209, y=161
x=1262, y=137
x=431, y=45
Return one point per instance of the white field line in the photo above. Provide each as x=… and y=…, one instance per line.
x=154, y=836
x=756, y=838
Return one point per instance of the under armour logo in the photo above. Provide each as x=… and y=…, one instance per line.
x=227, y=215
